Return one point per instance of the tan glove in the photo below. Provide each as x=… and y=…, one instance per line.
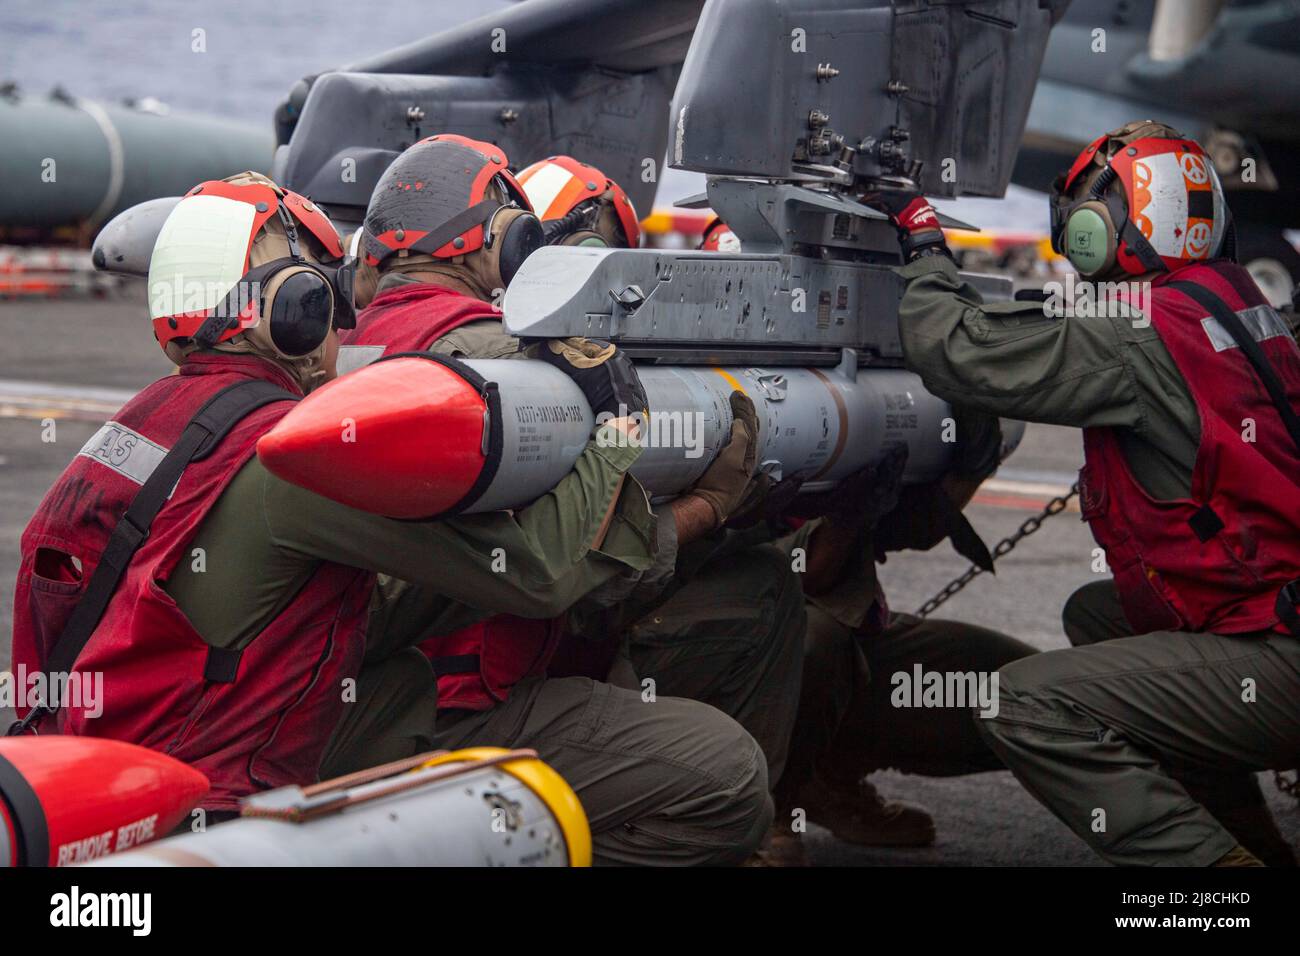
x=725, y=483
x=603, y=371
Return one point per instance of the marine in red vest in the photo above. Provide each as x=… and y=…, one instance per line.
x=447, y=228
x=1186, y=384
x=730, y=626
x=410, y=313
x=235, y=638
x=741, y=654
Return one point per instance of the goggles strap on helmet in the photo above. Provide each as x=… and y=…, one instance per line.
x=1127, y=232
x=226, y=315
x=575, y=219
x=457, y=225
x=290, y=231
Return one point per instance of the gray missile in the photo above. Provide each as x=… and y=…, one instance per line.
x=820, y=425
x=414, y=436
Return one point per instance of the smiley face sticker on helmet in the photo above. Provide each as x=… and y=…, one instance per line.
x=1201, y=207
x=1199, y=234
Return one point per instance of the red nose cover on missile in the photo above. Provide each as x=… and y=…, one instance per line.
x=402, y=437
x=73, y=799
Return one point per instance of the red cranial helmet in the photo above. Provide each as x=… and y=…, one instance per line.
x=449, y=196
x=1142, y=198
x=580, y=205
x=718, y=237
x=243, y=255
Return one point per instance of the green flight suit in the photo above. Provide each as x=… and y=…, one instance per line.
x=265, y=536
x=848, y=725
x=678, y=782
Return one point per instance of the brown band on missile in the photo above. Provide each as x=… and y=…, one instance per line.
x=371, y=773
x=176, y=856
x=843, y=437
x=400, y=783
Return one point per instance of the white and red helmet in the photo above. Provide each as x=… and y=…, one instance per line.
x=569, y=196
x=1151, y=193
x=236, y=251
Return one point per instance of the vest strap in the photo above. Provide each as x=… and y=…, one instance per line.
x=222, y=665
x=208, y=426
x=455, y=664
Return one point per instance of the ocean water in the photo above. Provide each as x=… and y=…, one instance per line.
x=255, y=49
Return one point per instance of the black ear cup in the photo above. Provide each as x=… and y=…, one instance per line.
x=343, y=278
x=301, y=313
x=523, y=236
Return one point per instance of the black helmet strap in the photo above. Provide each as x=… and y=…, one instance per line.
x=476, y=215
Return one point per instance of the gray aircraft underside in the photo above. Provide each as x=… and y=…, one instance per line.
x=596, y=77
x=793, y=109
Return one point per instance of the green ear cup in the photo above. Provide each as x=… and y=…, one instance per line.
x=1087, y=241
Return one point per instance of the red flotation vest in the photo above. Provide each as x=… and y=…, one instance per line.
x=1215, y=560
x=477, y=665
x=250, y=719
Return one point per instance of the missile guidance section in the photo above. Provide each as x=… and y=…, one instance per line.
x=67, y=800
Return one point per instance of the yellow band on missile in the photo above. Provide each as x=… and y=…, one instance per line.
x=553, y=790
x=731, y=379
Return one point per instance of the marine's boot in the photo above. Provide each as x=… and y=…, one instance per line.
x=1257, y=832
x=1238, y=856
x=781, y=847
x=856, y=813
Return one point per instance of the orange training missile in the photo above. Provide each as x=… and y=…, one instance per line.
x=403, y=437
x=73, y=799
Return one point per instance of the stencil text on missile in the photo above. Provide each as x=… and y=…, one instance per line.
x=661, y=429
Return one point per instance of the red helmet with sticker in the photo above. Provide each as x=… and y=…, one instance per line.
x=436, y=198
x=1140, y=199
x=718, y=237
x=569, y=197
